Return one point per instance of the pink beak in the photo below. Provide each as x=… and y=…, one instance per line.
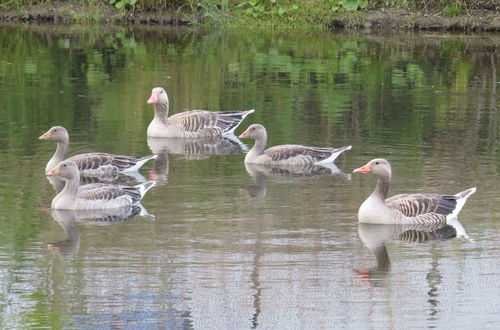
x=153, y=99
x=363, y=169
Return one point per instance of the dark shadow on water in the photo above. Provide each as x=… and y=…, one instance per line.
x=375, y=237
x=190, y=149
x=260, y=172
x=68, y=220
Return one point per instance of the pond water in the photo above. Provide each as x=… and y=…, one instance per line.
x=226, y=247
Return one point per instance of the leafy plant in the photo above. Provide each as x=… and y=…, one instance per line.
x=453, y=11
x=123, y=4
x=217, y=14
x=353, y=5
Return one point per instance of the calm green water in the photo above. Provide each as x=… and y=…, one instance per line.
x=231, y=248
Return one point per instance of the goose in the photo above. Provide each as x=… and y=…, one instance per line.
x=90, y=164
x=196, y=124
x=93, y=196
x=406, y=208
x=288, y=154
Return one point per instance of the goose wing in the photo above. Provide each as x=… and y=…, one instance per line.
x=211, y=121
x=417, y=204
x=194, y=120
x=92, y=161
x=227, y=121
x=96, y=160
x=107, y=192
x=289, y=151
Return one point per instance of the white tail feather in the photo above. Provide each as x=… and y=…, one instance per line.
x=244, y=114
x=144, y=187
x=334, y=155
x=461, y=199
x=139, y=163
x=459, y=229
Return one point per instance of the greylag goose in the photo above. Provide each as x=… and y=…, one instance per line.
x=90, y=164
x=288, y=154
x=94, y=196
x=196, y=124
x=406, y=208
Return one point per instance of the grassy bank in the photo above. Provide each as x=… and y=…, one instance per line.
x=262, y=13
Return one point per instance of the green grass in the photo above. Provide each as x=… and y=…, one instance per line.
x=262, y=13
x=453, y=11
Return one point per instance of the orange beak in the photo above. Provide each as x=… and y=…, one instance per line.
x=44, y=136
x=244, y=134
x=153, y=99
x=53, y=172
x=363, y=170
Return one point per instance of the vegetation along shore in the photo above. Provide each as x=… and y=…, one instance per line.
x=463, y=15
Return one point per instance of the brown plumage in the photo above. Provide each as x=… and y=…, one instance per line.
x=288, y=154
x=94, y=196
x=196, y=124
x=406, y=208
x=90, y=164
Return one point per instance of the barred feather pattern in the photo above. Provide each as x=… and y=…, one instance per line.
x=426, y=218
x=414, y=204
x=206, y=124
x=406, y=208
x=97, y=196
x=287, y=154
x=297, y=154
x=107, y=164
x=93, y=196
x=420, y=236
x=198, y=124
x=91, y=164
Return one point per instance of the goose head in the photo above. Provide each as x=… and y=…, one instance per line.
x=379, y=166
x=56, y=133
x=158, y=95
x=66, y=170
x=255, y=132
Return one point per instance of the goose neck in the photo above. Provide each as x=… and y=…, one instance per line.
x=59, y=155
x=70, y=188
x=62, y=149
x=382, y=188
x=161, y=112
x=257, y=149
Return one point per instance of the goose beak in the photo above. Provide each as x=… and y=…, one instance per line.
x=243, y=135
x=44, y=136
x=363, y=170
x=53, y=172
x=153, y=99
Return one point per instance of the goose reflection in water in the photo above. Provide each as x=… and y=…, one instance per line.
x=260, y=172
x=190, y=149
x=68, y=219
x=375, y=236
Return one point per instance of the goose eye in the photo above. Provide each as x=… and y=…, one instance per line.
x=55, y=130
x=161, y=92
x=253, y=128
x=64, y=165
x=376, y=163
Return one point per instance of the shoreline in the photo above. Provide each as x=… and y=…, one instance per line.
x=388, y=20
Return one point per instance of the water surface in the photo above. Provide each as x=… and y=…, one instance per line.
x=226, y=247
